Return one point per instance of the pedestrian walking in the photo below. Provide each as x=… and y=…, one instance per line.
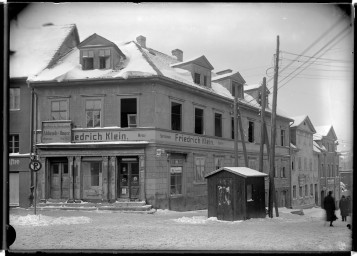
x=329, y=206
x=344, y=208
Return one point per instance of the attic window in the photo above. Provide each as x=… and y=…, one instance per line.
x=104, y=59
x=88, y=59
x=239, y=87
x=197, y=78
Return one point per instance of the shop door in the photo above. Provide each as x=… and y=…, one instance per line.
x=128, y=183
x=59, y=180
x=224, y=199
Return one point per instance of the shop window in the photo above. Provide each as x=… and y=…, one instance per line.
x=218, y=162
x=218, y=125
x=306, y=190
x=198, y=121
x=311, y=190
x=88, y=59
x=197, y=78
x=128, y=112
x=199, y=169
x=176, y=180
x=59, y=110
x=251, y=131
x=14, y=143
x=282, y=137
x=104, y=59
x=14, y=99
x=294, y=191
x=176, y=116
x=93, y=113
x=249, y=192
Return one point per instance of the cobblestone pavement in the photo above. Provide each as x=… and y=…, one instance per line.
x=168, y=230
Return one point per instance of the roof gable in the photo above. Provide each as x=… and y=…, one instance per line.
x=326, y=131
x=240, y=171
x=233, y=76
x=200, y=61
x=303, y=123
x=96, y=40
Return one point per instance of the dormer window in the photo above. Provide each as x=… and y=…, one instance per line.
x=197, y=78
x=88, y=59
x=205, y=80
x=239, y=88
x=104, y=59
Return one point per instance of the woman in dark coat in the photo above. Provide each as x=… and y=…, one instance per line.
x=344, y=208
x=329, y=205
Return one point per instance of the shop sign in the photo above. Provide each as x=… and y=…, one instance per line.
x=176, y=169
x=330, y=181
x=14, y=162
x=112, y=135
x=56, y=131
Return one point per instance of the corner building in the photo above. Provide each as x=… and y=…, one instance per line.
x=127, y=122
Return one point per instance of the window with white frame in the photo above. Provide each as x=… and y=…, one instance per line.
x=93, y=112
x=104, y=58
x=14, y=99
x=14, y=143
x=88, y=59
x=199, y=169
x=59, y=110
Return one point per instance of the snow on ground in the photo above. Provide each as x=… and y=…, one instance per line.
x=42, y=220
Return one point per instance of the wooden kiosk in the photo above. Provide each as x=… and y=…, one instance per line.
x=236, y=193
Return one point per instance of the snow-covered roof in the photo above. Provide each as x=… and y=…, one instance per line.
x=323, y=130
x=241, y=171
x=298, y=120
x=34, y=48
x=316, y=147
x=293, y=146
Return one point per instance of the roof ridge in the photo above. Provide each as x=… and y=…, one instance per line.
x=157, y=70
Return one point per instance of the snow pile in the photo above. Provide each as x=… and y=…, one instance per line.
x=41, y=220
x=201, y=220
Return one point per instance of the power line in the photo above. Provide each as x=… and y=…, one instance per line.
x=310, y=57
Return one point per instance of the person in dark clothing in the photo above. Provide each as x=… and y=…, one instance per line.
x=344, y=205
x=329, y=205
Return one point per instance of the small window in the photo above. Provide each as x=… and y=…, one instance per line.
x=294, y=191
x=251, y=131
x=218, y=125
x=198, y=121
x=88, y=59
x=128, y=112
x=14, y=143
x=59, y=110
x=93, y=112
x=197, y=78
x=205, y=80
x=176, y=116
x=282, y=138
x=14, y=99
x=104, y=59
x=249, y=192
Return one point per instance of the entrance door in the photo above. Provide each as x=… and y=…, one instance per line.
x=128, y=183
x=224, y=199
x=283, y=198
x=59, y=180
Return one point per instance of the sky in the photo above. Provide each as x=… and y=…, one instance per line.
x=315, y=45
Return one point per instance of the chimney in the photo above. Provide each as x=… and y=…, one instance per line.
x=226, y=71
x=141, y=41
x=178, y=54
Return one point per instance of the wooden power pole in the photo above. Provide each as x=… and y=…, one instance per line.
x=262, y=131
x=235, y=125
x=272, y=194
x=242, y=137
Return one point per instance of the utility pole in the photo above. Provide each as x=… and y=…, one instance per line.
x=242, y=137
x=235, y=126
x=262, y=133
x=272, y=194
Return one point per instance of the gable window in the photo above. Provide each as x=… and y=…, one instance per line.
x=176, y=115
x=59, y=110
x=93, y=112
x=104, y=59
x=282, y=137
x=128, y=112
x=199, y=169
x=205, y=80
x=14, y=99
x=197, y=78
x=251, y=131
x=218, y=125
x=237, y=87
x=14, y=143
x=198, y=121
x=88, y=59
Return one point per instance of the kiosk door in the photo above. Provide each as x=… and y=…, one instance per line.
x=128, y=178
x=59, y=180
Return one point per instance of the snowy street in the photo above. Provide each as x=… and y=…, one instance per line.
x=170, y=230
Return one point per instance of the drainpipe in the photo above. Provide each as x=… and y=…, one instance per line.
x=31, y=142
x=291, y=176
